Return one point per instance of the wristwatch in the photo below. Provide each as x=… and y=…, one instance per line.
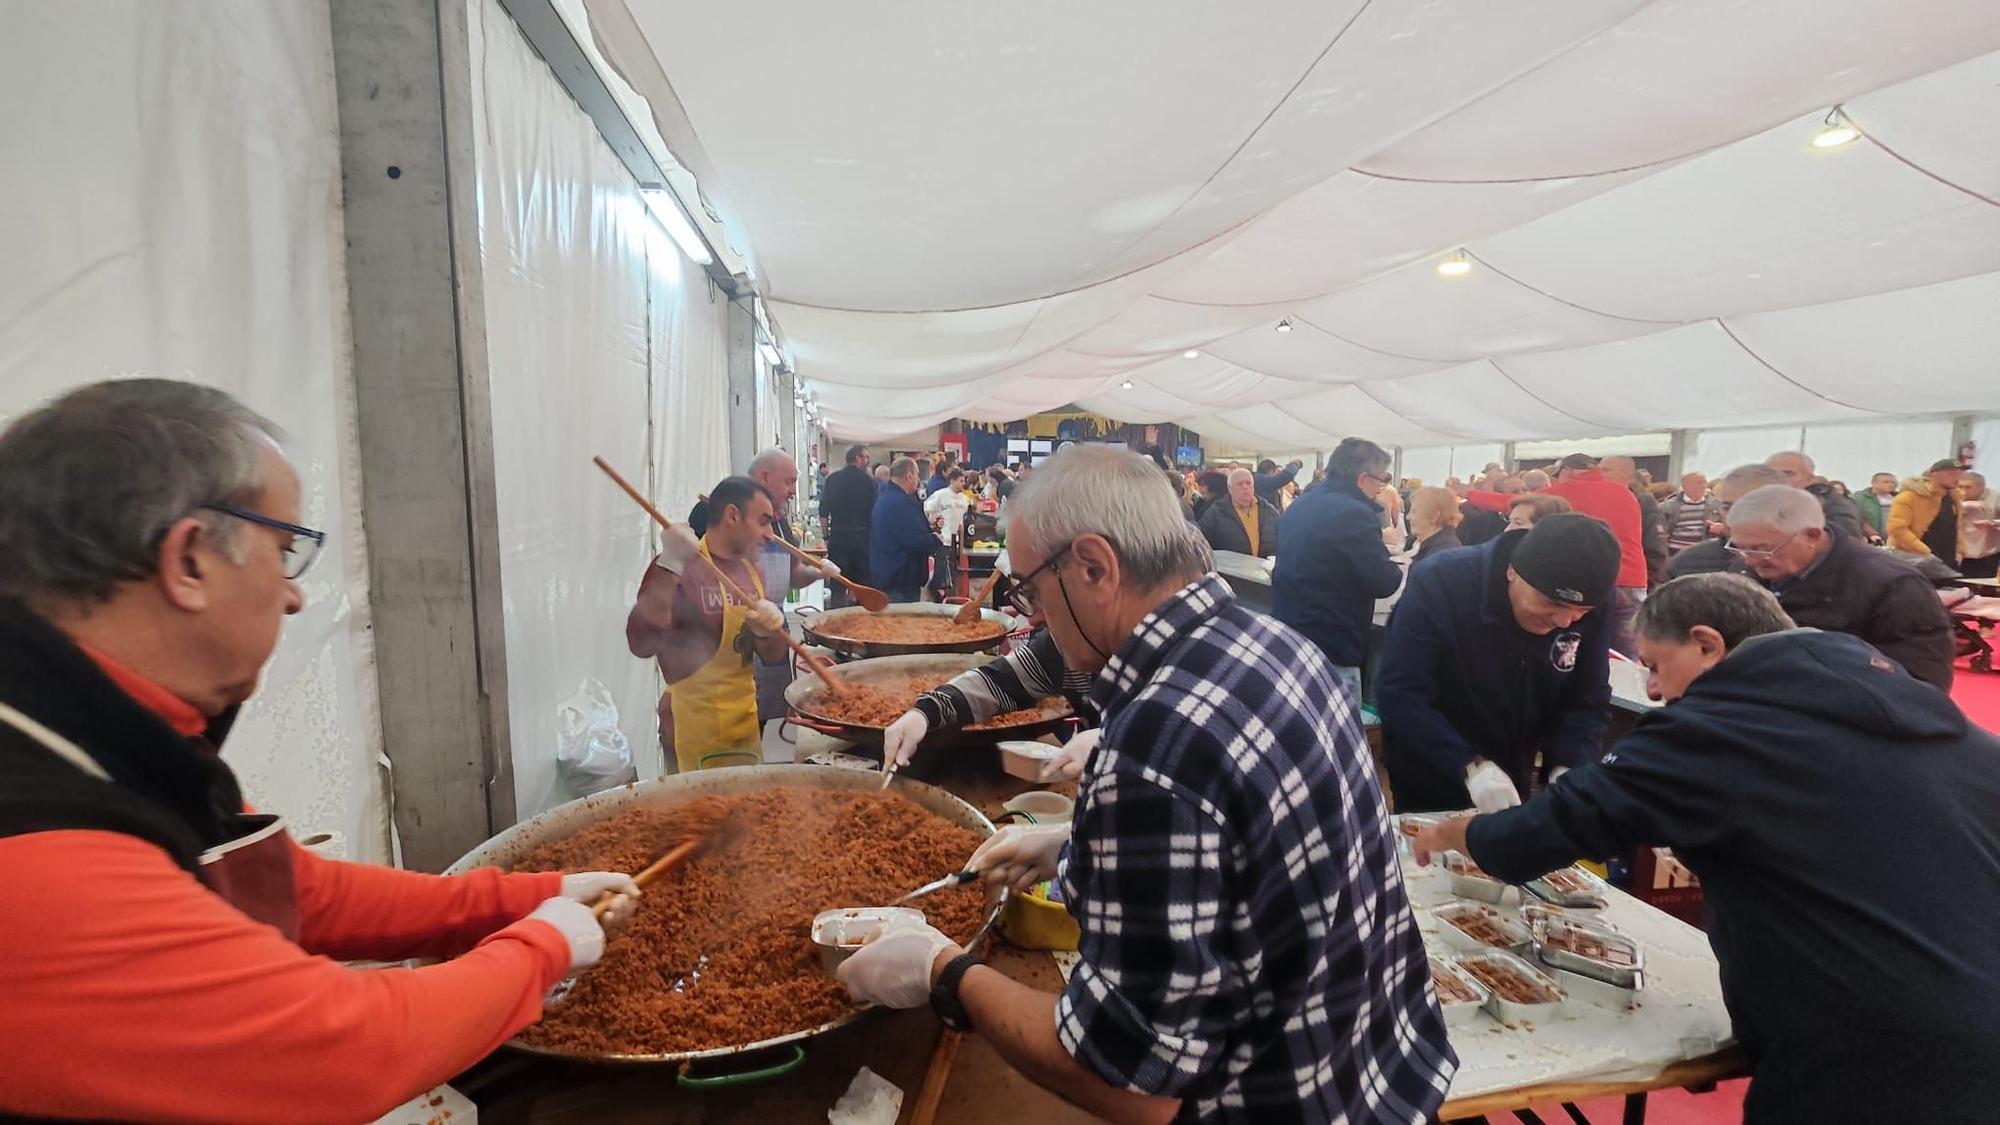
x=944, y=994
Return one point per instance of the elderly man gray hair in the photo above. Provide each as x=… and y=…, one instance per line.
x=150, y=547
x=1230, y=865
x=1829, y=580
x=1711, y=555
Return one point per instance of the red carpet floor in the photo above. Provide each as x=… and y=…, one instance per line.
x=1978, y=695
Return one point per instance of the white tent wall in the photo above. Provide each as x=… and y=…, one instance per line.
x=1436, y=464
x=1853, y=453
x=582, y=356
x=172, y=177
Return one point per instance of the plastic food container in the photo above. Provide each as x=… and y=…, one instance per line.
x=1468, y=880
x=1460, y=995
x=1570, y=887
x=1039, y=807
x=836, y=934
x=1520, y=993
x=1025, y=759
x=1476, y=928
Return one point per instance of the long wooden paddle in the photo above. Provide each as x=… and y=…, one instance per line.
x=868, y=597
x=969, y=612
x=833, y=683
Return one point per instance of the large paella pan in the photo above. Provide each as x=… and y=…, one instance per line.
x=884, y=688
x=531, y=837
x=902, y=630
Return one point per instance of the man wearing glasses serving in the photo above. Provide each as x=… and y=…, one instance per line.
x=167, y=952
x=1826, y=579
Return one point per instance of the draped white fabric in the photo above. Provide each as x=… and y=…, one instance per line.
x=985, y=210
x=172, y=181
x=603, y=340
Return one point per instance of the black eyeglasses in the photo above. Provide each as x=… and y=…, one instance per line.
x=1021, y=595
x=300, y=550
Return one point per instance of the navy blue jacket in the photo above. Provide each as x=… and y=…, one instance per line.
x=1844, y=820
x=900, y=542
x=1460, y=679
x=1331, y=569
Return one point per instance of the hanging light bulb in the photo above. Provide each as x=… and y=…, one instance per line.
x=1837, y=130
x=1285, y=325
x=1190, y=354
x=1458, y=265
x=1126, y=385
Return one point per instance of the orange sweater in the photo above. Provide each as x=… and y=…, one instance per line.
x=128, y=990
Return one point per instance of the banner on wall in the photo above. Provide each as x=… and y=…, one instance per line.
x=987, y=441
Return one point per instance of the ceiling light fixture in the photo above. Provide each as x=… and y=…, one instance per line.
x=1837, y=130
x=1458, y=265
x=1190, y=354
x=666, y=207
x=1285, y=325
x=1126, y=385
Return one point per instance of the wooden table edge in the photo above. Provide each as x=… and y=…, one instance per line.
x=1703, y=1071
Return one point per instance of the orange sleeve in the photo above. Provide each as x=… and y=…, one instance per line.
x=356, y=911
x=132, y=992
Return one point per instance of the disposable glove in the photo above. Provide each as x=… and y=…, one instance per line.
x=1068, y=765
x=765, y=619
x=587, y=887
x=678, y=548
x=1020, y=856
x=578, y=927
x=828, y=569
x=894, y=970
x=1491, y=788
x=899, y=742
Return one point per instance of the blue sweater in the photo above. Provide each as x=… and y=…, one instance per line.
x=900, y=542
x=1844, y=819
x=1331, y=568
x=1459, y=679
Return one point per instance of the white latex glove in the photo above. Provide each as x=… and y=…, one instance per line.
x=1019, y=856
x=578, y=927
x=899, y=742
x=765, y=619
x=587, y=887
x=828, y=569
x=1068, y=765
x=1491, y=788
x=894, y=970
x=678, y=547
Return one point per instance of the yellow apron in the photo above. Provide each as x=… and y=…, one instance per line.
x=715, y=709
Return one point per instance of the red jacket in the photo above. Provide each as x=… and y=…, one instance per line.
x=128, y=990
x=1596, y=495
x=1500, y=502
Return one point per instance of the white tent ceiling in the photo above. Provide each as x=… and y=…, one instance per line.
x=989, y=210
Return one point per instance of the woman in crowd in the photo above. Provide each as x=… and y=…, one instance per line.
x=1979, y=536
x=1434, y=519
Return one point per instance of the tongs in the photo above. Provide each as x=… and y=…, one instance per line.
x=955, y=879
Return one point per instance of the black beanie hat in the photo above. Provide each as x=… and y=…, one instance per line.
x=1571, y=557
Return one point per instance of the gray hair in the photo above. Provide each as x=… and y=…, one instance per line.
x=1786, y=454
x=769, y=459
x=1744, y=479
x=1730, y=604
x=1781, y=507
x=1534, y=480
x=1241, y=474
x=90, y=482
x=902, y=467
x=1100, y=490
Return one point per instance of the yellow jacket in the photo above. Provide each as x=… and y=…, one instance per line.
x=1913, y=511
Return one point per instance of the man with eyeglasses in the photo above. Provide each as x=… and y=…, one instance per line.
x=1333, y=566
x=1829, y=580
x=1709, y=556
x=1247, y=951
x=167, y=952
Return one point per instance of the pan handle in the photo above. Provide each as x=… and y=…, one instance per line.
x=802, y=721
x=688, y=1082
x=702, y=762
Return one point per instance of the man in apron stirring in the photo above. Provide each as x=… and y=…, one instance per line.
x=166, y=953
x=704, y=630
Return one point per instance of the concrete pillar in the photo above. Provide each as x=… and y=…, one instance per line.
x=417, y=319
x=1679, y=444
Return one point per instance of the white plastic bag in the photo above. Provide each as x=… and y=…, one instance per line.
x=592, y=754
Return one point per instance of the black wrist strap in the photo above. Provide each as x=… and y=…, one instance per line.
x=944, y=994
